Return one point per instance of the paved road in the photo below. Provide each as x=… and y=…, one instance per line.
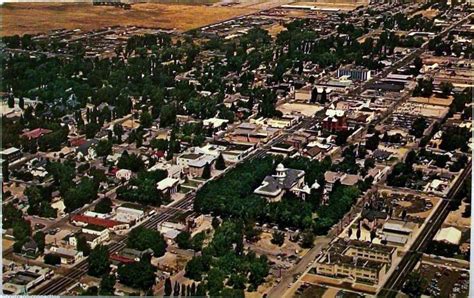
x=410, y=259
x=301, y=267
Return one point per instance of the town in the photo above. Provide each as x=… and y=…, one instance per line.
x=301, y=150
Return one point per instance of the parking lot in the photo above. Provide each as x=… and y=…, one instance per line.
x=445, y=282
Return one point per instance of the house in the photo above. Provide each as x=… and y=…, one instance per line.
x=168, y=186
x=215, y=123
x=30, y=249
x=11, y=154
x=273, y=187
x=92, y=239
x=123, y=174
x=86, y=150
x=174, y=171
x=35, y=133
x=68, y=256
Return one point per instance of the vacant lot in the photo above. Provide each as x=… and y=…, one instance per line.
x=21, y=18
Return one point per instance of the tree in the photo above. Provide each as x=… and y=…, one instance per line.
x=176, y=289
x=183, y=290
x=184, y=240
x=168, y=288
x=11, y=102
x=103, y=206
x=142, y=238
x=39, y=238
x=145, y=119
x=5, y=170
x=140, y=275
x=118, y=132
x=52, y=259
x=206, y=173
x=21, y=103
x=278, y=238
x=83, y=246
x=373, y=234
x=104, y=148
x=193, y=289
x=314, y=95
x=446, y=88
x=99, y=263
x=308, y=240
x=324, y=97
x=220, y=163
x=200, y=290
x=373, y=142
x=358, y=233
x=107, y=285
x=349, y=232
x=168, y=115
x=415, y=284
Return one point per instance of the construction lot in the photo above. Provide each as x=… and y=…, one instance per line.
x=21, y=18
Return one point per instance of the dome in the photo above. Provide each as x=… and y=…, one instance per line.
x=280, y=167
x=315, y=185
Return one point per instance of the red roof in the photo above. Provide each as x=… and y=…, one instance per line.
x=35, y=133
x=77, y=142
x=159, y=153
x=102, y=222
x=113, y=171
x=121, y=259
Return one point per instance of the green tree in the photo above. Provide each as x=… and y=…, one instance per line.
x=220, y=163
x=107, y=285
x=118, y=132
x=145, y=119
x=83, y=246
x=141, y=238
x=308, y=240
x=104, y=206
x=206, y=173
x=278, y=238
x=39, y=238
x=168, y=288
x=415, y=285
x=52, y=259
x=140, y=275
x=184, y=240
x=104, y=148
x=99, y=263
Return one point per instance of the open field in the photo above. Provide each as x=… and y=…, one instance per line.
x=21, y=18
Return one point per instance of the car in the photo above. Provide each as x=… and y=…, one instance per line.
x=39, y=226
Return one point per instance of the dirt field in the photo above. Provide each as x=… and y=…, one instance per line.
x=21, y=18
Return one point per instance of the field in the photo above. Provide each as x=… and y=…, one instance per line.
x=21, y=18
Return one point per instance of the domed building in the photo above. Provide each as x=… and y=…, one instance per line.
x=273, y=187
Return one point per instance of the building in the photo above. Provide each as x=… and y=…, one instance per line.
x=130, y=214
x=35, y=133
x=449, y=235
x=355, y=73
x=194, y=163
x=335, y=120
x=11, y=154
x=112, y=225
x=68, y=256
x=168, y=186
x=356, y=261
x=273, y=187
x=20, y=282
